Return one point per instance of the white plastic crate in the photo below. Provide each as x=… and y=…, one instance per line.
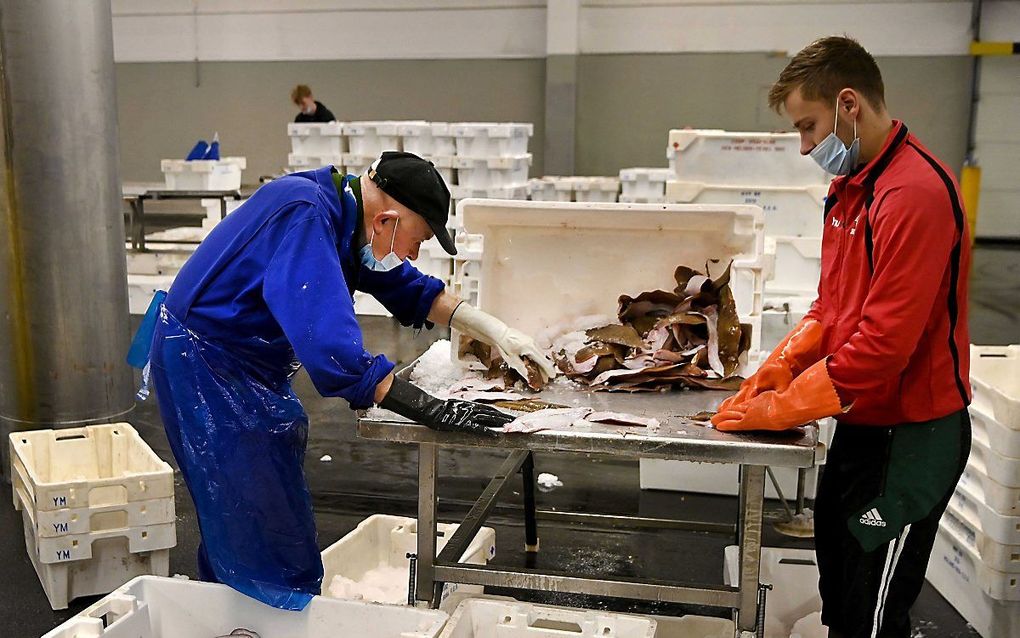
x=367, y=305
x=780, y=316
x=596, y=189
x=493, y=172
x=1001, y=469
x=953, y=571
x=372, y=138
x=142, y=287
x=789, y=210
x=445, y=165
x=515, y=192
x=993, y=582
x=150, y=607
x=374, y=557
x=467, y=264
x=716, y=478
x=967, y=504
x=644, y=185
x=551, y=189
x=427, y=139
x=316, y=138
x=357, y=164
x=82, y=522
x=434, y=261
x=614, y=249
x=111, y=564
x=988, y=430
x=1003, y=499
x=490, y=139
x=995, y=378
x=996, y=556
x=796, y=265
x=482, y=618
x=298, y=163
x=156, y=262
x=793, y=574
x=70, y=548
x=91, y=466
x=726, y=157
x=203, y=175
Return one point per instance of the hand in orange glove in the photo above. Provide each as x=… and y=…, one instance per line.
x=800, y=348
x=810, y=396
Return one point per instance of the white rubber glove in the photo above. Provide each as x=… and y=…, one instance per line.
x=512, y=344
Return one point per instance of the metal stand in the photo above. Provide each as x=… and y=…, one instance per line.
x=136, y=221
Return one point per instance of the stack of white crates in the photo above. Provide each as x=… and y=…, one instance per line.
x=97, y=505
x=573, y=189
x=975, y=564
x=644, y=185
x=315, y=144
x=711, y=166
x=492, y=160
x=434, y=142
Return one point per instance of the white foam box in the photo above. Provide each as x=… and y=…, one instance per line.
x=995, y=378
x=372, y=138
x=954, y=570
x=1003, y=439
x=796, y=265
x=793, y=574
x=298, y=163
x=316, y=138
x=789, y=210
x=203, y=175
x=357, y=164
x=611, y=249
x=725, y=157
x=491, y=139
x=493, y=172
x=551, y=188
x=151, y=607
x=995, y=556
x=644, y=185
x=141, y=288
x=91, y=466
x=427, y=139
x=384, y=541
x=482, y=618
x=596, y=189
x=966, y=503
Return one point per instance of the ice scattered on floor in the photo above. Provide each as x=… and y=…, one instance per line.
x=548, y=482
x=435, y=372
x=384, y=584
x=325, y=458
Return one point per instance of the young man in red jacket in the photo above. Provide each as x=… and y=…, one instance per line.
x=884, y=347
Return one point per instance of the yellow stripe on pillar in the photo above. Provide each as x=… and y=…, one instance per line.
x=970, y=185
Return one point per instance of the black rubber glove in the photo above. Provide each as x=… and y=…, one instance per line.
x=450, y=415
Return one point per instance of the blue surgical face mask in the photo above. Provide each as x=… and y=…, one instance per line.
x=833, y=156
x=387, y=263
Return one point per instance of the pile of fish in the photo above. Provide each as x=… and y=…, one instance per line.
x=665, y=339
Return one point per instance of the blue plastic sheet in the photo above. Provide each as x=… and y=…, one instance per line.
x=239, y=433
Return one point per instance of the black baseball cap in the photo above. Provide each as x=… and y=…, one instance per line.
x=415, y=183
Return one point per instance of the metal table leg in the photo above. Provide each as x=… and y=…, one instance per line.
x=140, y=226
x=752, y=497
x=530, y=520
x=425, y=585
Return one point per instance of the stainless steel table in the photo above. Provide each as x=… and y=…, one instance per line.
x=677, y=438
x=136, y=198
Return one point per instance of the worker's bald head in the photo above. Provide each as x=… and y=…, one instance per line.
x=380, y=220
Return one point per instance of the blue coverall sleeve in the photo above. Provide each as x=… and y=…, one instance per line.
x=405, y=291
x=305, y=290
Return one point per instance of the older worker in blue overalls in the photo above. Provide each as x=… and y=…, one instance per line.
x=270, y=290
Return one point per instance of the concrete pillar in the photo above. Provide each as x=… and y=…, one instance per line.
x=562, y=48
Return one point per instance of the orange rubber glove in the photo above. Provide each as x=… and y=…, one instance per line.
x=810, y=396
x=800, y=348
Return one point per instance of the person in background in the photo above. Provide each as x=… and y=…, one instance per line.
x=884, y=348
x=311, y=109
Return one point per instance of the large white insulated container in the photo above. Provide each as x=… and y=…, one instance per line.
x=726, y=157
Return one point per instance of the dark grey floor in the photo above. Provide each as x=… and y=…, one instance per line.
x=369, y=477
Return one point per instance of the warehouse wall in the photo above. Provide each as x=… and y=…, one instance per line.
x=162, y=111
x=627, y=103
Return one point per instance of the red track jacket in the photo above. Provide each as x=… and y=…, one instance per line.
x=893, y=292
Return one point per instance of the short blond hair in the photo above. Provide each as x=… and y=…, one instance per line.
x=300, y=92
x=827, y=66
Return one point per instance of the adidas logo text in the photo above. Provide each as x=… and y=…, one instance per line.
x=872, y=518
